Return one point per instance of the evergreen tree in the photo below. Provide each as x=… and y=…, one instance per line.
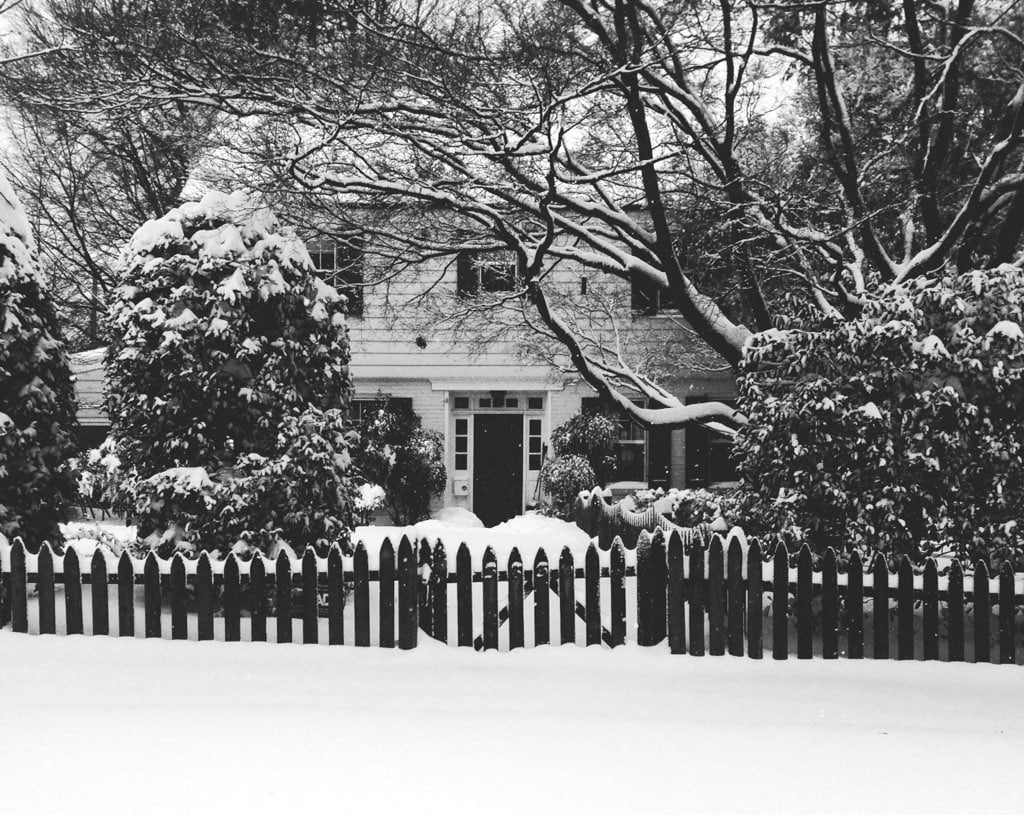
x=37, y=402
x=229, y=382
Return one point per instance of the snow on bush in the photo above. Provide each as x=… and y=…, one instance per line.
x=564, y=478
x=593, y=436
x=37, y=400
x=407, y=461
x=900, y=431
x=230, y=356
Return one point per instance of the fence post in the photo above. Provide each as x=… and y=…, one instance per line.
x=516, y=625
x=930, y=596
x=755, y=602
x=232, y=600
x=179, y=610
x=905, y=610
x=829, y=606
x=955, y=611
x=780, y=603
x=258, y=597
x=651, y=587
x=853, y=608
x=804, y=621
x=47, y=598
x=387, y=595
x=361, y=590
x=618, y=593
x=408, y=594
x=151, y=576
x=982, y=613
x=593, y=595
x=698, y=594
x=310, y=615
x=716, y=597
x=464, y=595
x=335, y=597
x=72, y=593
x=283, y=595
x=98, y=590
x=439, y=593
x=736, y=598
x=567, y=596
x=676, y=594
x=490, y=598
x=880, y=606
x=541, y=599
x=125, y=596
x=1007, y=610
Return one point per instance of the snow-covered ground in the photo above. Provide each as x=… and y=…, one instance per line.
x=107, y=725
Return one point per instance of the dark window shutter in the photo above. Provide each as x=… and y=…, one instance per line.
x=467, y=282
x=698, y=450
x=659, y=461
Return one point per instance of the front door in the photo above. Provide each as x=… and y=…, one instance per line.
x=497, y=467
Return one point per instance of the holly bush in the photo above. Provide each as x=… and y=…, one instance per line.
x=901, y=431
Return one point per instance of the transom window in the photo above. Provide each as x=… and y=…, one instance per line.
x=340, y=264
x=492, y=271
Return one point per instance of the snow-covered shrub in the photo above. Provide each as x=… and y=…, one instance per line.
x=407, y=461
x=645, y=499
x=564, y=478
x=98, y=473
x=369, y=499
x=901, y=431
x=230, y=355
x=37, y=400
x=593, y=436
x=695, y=507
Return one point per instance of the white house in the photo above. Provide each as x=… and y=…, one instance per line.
x=489, y=387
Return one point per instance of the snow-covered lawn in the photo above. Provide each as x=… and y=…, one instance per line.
x=107, y=725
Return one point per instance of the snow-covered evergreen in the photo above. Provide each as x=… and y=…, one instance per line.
x=229, y=382
x=37, y=403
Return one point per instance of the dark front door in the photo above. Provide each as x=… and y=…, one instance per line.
x=497, y=467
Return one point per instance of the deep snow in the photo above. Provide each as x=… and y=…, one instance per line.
x=107, y=725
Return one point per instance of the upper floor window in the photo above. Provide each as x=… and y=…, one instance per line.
x=340, y=264
x=492, y=271
x=647, y=298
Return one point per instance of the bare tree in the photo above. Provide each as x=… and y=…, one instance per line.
x=590, y=131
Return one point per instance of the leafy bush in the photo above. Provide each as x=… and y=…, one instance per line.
x=592, y=436
x=901, y=431
x=98, y=473
x=696, y=507
x=230, y=355
x=565, y=477
x=407, y=461
x=37, y=400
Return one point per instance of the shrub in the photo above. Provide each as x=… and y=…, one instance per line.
x=37, y=401
x=901, y=431
x=231, y=356
x=695, y=507
x=592, y=436
x=407, y=461
x=565, y=477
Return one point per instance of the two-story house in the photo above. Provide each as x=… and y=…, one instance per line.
x=440, y=336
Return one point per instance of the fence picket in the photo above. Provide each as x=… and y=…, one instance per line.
x=47, y=595
x=72, y=593
x=982, y=613
x=179, y=610
x=310, y=578
x=955, y=612
x=151, y=578
x=880, y=606
x=490, y=590
x=98, y=593
x=716, y=597
x=755, y=602
x=829, y=606
x=853, y=608
x=780, y=603
x=335, y=597
x=567, y=596
x=736, y=598
x=516, y=626
x=19, y=588
x=1007, y=610
x=804, y=587
x=541, y=599
x=676, y=594
x=283, y=597
x=386, y=584
x=905, y=610
x=439, y=593
x=464, y=598
x=232, y=600
x=696, y=589
x=593, y=596
x=644, y=604
x=618, y=593
x=361, y=590
x=930, y=598
x=258, y=598
x=408, y=594
x=204, y=597
x=424, y=611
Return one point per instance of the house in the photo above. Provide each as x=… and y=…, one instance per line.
x=492, y=388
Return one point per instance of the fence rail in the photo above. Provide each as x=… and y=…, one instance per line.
x=711, y=599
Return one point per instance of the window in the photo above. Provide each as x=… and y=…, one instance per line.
x=462, y=444
x=340, y=264
x=494, y=271
x=641, y=456
x=708, y=454
x=536, y=450
x=646, y=298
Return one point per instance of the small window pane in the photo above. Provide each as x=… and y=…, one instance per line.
x=535, y=403
x=534, y=461
x=461, y=402
x=534, y=427
x=461, y=444
x=485, y=403
x=535, y=444
x=461, y=461
x=512, y=403
x=461, y=427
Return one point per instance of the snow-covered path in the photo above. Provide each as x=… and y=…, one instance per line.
x=108, y=725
